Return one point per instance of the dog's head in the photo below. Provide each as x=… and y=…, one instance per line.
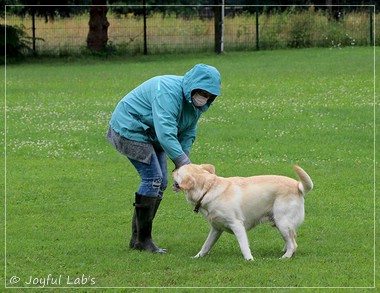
x=191, y=175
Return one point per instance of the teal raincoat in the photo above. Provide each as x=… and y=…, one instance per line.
x=160, y=111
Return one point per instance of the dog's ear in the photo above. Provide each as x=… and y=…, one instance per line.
x=209, y=168
x=187, y=183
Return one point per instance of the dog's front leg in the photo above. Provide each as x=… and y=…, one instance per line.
x=212, y=237
x=241, y=235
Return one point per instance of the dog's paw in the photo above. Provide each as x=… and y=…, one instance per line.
x=249, y=258
x=287, y=256
x=196, y=256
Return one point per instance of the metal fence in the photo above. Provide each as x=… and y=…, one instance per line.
x=293, y=27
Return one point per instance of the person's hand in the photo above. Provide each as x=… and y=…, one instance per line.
x=181, y=160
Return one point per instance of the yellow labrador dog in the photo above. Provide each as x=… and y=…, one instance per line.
x=237, y=204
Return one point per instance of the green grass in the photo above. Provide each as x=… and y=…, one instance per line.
x=69, y=194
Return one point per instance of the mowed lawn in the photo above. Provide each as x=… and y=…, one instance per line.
x=69, y=194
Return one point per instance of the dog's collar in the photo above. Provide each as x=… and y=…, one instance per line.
x=198, y=204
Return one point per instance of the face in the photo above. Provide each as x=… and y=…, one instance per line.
x=200, y=98
x=185, y=175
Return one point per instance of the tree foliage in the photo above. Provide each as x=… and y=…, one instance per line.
x=49, y=9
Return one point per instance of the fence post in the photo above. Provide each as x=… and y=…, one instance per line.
x=257, y=26
x=33, y=31
x=145, y=37
x=371, y=40
x=219, y=25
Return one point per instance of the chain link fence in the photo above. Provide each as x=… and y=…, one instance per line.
x=258, y=28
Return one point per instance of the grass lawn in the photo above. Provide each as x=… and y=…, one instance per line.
x=69, y=194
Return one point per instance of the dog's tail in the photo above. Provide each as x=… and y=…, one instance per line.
x=305, y=185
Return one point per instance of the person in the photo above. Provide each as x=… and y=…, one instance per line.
x=158, y=119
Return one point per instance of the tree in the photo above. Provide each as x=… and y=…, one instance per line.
x=97, y=37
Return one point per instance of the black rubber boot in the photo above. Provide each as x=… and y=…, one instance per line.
x=145, y=210
x=158, y=201
x=134, y=223
x=134, y=231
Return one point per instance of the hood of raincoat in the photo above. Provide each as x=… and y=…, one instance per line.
x=201, y=77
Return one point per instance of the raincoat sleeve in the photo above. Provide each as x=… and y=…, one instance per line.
x=187, y=138
x=166, y=109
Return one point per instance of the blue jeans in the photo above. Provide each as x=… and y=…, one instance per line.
x=154, y=176
x=149, y=162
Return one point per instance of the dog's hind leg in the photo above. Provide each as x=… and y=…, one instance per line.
x=241, y=235
x=288, y=215
x=212, y=237
x=289, y=236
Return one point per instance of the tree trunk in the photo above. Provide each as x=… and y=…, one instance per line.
x=98, y=33
x=218, y=24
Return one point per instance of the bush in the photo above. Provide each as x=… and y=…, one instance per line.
x=300, y=31
x=14, y=41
